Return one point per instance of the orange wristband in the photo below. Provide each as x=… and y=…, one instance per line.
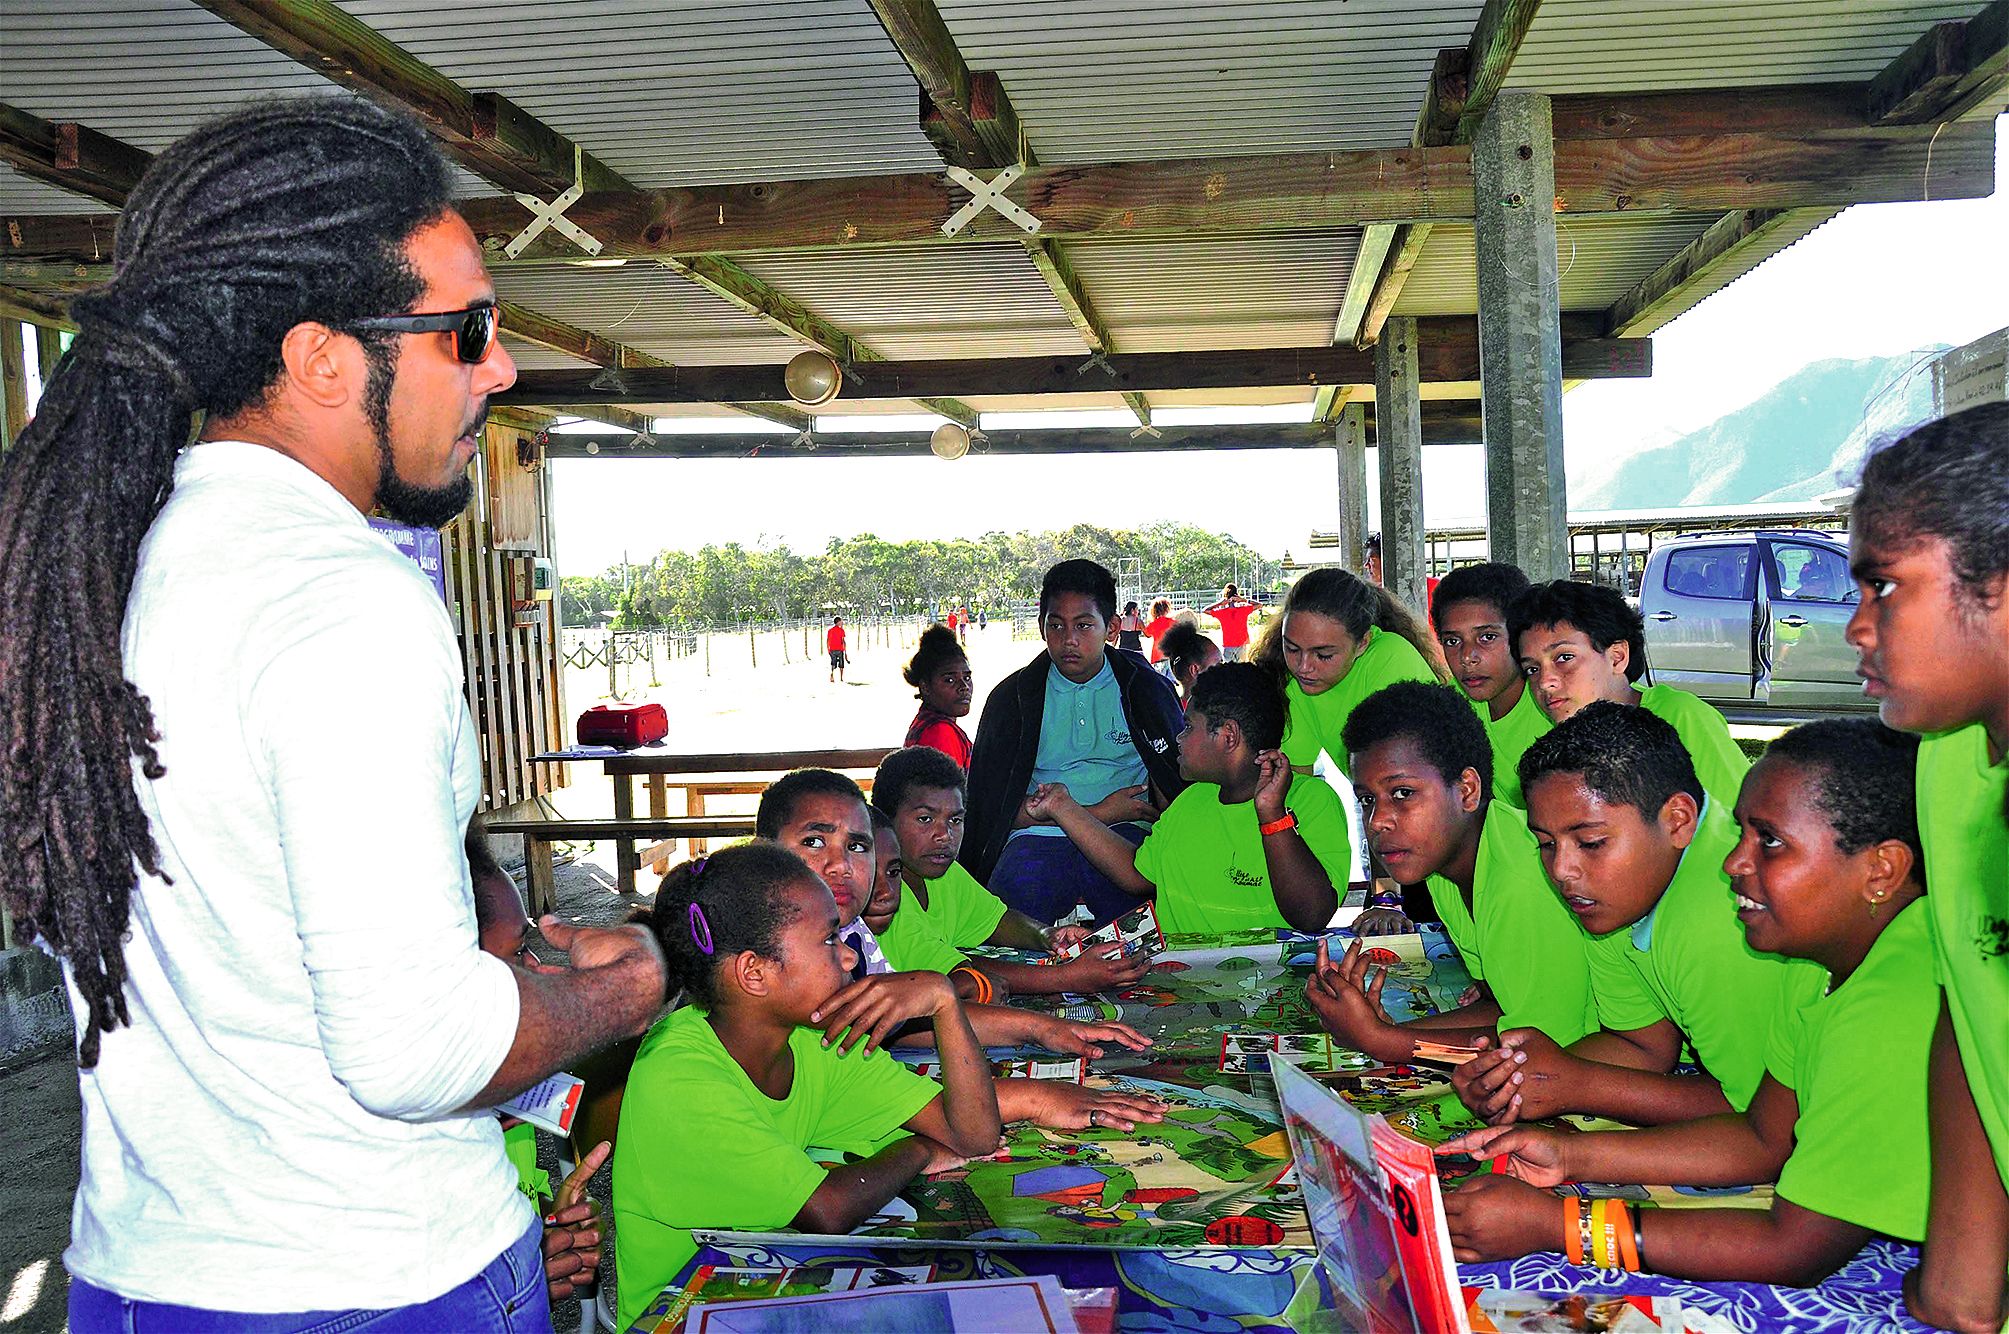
x=1573, y=1229
x=1287, y=820
x=1628, y=1254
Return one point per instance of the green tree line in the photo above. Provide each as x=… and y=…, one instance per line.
x=729, y=584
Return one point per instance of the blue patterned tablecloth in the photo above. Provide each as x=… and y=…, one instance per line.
x=1246, y=1291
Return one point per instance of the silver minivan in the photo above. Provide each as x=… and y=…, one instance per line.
x=1753, y=616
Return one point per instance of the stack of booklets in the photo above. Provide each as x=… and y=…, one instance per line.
x=1385, y=1263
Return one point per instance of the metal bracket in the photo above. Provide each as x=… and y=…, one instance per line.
x=552, y=215
x=1097, y=358
x=1147, y=428
x=989, y=194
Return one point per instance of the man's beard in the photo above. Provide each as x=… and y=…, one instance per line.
x=420, y=506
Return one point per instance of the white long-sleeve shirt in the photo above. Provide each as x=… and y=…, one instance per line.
x=278, y=1129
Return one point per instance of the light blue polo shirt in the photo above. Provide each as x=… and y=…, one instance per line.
x=1084, y=742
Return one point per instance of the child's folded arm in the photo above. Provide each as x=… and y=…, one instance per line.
x=853, y=1192
x=1785, y=1244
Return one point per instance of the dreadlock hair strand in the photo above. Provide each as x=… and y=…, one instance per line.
x=281, y=213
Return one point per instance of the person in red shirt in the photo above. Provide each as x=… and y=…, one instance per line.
x=833, y=640
x=1233, y=612
x=1160, y=622
x=940, y=673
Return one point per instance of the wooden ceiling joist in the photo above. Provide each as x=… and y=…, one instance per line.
x=489, y=135
x=969, y=118
x=70, y=156
x=1463, y=83
x=35, y=308
x=1669, y=289
x=1953, y=69
x=1448, y=354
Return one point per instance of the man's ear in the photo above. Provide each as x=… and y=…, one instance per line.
x=1678, y=819
x=1619, y=654
x=324, y=367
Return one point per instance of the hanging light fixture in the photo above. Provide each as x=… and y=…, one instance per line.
x=949, y=441
x=812, y=378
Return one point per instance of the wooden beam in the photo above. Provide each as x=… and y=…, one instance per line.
x=1368, y=264
x=965, y=114
x=1953, y=69
x=1331, y=400
x=13, y=382
x=1463, y=83
x=36, y=308
x=70, y=156
x=487, y=133
x=1664, y=293
x=1448, y=354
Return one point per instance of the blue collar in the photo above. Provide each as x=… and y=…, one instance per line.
x=1055, y=680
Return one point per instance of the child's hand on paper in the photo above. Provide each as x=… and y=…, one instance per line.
x=572, y=1230
x=1061, y=1106
x=1526, y=1078
x=1101, y=968
x=1347, y=999
x=942, y=1158
x=1073, y=1037
x=1532, y=1153
x=1061, y=939
x=1382, y=922
x=1498, y=1218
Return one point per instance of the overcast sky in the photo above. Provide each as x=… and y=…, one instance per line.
x=1879, y=280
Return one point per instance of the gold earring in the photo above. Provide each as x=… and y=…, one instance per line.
x=1874, y=903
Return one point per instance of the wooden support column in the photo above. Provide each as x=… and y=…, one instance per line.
x=1520, y=336
x=13, y=382
x=1349, y=439
x=1398, y=437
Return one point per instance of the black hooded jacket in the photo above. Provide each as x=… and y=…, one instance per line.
x=1007, y=746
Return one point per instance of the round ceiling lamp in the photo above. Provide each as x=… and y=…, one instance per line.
x=813, y=378
x=950, y=441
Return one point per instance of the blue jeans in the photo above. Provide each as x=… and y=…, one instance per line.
x=1044, y=877
x=508, y=1297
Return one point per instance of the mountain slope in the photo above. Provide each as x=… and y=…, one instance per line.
x=1788, y=444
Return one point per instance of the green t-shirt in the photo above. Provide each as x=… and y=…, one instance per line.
x=700, y=1146
x=912, y=942
x=1960, y=818
x=1687, y=961
x=1856, y=1060
x=1316, y=721
x=1518, y=937
x=1511, y=736
x=1206, y=858
x=1718, y=761
x=963, y=911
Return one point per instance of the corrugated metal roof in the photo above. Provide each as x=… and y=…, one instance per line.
x=1117, y=80
x=976, y=300
x=687, y=93
x=531, y=357
x=1598, y=261
x=647, y=307
x=1265, y=289
x=1642, y=45
x=1797, y=225
x=143, y=71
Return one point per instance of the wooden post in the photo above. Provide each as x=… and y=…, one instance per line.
x=13, y=381
x=1398, y=435
x=1349, y=438
x=48, y=351
x=1520, y=336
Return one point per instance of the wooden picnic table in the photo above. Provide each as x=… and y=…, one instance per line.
x=702, y=776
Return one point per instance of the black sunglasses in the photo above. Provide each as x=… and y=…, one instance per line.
x=473, y=329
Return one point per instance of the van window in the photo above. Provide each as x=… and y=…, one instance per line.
x=1808, y=573
x=1710, y=572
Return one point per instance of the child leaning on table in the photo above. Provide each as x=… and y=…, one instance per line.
x=1826, y=868
x=729, y=1093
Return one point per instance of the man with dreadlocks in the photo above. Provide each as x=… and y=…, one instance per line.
x=210, y=667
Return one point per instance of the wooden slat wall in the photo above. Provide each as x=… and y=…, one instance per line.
x=512, y=673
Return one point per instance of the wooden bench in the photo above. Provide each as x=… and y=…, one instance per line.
x=539, y=835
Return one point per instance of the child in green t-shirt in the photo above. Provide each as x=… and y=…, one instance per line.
x=729, y=1093
x=1581, y=642
x=1636, y=852
x=1929, y=543
x=1248, y=844
x=1469, y=613
x=821, y=816
x=924, y=791
x=1338, y=640
x=1421, y=764
x=1826, y=869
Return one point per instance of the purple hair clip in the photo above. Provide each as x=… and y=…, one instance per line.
x=701, y=930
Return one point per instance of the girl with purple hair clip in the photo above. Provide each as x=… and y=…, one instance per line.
x=730, y=1091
